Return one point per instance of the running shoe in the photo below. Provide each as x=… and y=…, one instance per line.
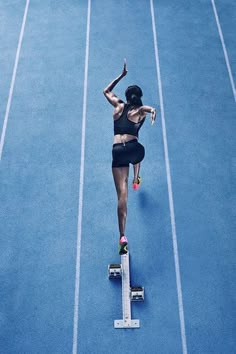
x=123, y=245
x=136, y=185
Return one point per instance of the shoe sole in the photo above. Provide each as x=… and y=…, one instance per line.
x=123, y=249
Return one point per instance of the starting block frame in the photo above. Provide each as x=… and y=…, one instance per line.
x=128, y=293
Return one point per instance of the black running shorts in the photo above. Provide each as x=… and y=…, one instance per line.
x=125, y=153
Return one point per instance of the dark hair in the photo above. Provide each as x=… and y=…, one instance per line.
x=133, y=95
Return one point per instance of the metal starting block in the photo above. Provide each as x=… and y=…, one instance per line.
x=126, y=323
x=114, y=271
x=129, y=294
x=137, y=293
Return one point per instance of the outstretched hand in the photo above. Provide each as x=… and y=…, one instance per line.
x=107, y=91
x=124, y=72
x=153, y=116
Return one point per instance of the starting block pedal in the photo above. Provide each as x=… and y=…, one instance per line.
x=137, y=293
x=114, y=271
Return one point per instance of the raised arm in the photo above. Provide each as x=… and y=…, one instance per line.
x=149, y=109
x=110, y=96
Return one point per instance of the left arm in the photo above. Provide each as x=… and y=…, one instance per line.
x=149, y=109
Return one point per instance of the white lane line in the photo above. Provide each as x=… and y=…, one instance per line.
x=224, y=49
x=81, y=188
x=170, y=194
x=4, y=128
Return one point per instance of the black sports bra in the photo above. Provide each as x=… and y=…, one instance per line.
x=124, y=125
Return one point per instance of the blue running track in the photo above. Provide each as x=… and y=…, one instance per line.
x=58, y=222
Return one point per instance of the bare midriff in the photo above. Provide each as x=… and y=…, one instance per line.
x=123, y=138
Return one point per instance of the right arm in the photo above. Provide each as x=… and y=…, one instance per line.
x=110, y=96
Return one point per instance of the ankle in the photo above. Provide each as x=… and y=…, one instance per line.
x=137, y=179
x=123, y=239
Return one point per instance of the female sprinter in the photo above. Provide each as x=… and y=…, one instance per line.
x=128, y=119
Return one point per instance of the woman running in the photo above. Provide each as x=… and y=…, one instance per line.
x=128, y=119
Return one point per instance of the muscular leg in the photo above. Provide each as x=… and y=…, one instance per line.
x=136, y=172
x=120, y=175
